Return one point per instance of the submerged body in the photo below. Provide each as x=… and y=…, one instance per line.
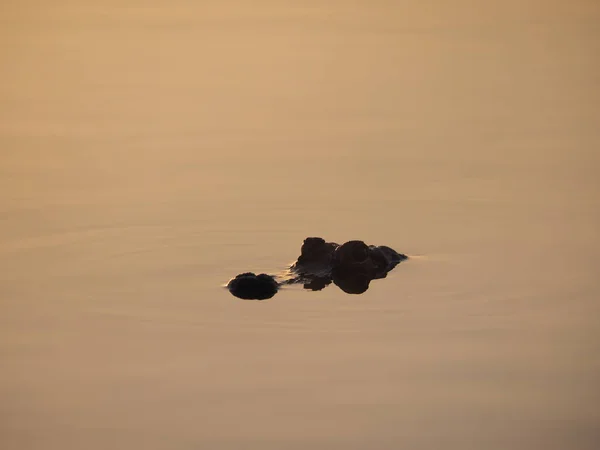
x=351, y=267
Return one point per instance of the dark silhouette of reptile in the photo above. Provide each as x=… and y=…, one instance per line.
x=351, y=267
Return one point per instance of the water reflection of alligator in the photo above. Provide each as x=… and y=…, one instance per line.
x=350, y=266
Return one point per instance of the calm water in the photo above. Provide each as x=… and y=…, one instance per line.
x=152, y=150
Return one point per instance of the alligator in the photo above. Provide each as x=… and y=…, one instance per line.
x=350, y=266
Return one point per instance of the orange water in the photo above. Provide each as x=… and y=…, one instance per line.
x=152, y=150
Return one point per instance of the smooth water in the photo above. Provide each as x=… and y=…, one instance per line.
x=152, y=150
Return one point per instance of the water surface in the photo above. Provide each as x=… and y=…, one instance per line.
x=152, y=150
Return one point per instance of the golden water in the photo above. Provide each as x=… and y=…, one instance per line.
x=149, y=151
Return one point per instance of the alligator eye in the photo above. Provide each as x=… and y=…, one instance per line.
x=359, y=253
